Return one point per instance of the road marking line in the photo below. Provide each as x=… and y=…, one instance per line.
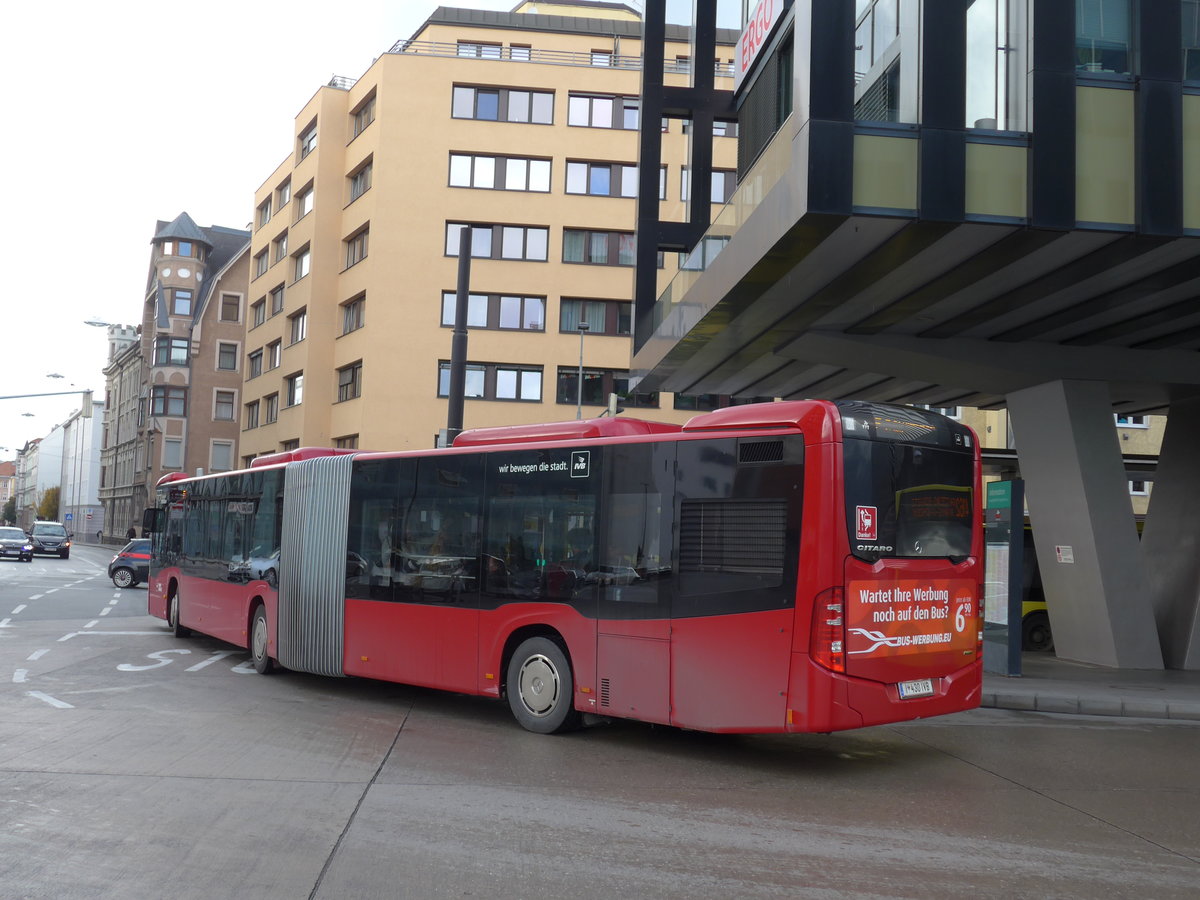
x=67, y=637
x=4, y=623
x=36, y=655
x=106, y=611
x=18, y=609
x=51, y=591
x=114, y=602
x=19, y=676
x=46, y=698
x=216, y=657
x=92, y=623
x=37, y=597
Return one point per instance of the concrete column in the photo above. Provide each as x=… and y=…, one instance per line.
x=1078, y=496
x=1171, y=539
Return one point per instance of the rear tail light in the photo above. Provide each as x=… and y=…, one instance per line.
x=827, y=643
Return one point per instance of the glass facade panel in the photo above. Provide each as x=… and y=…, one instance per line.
x=1102, y=36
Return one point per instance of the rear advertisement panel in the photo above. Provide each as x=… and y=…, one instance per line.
x=908, y=616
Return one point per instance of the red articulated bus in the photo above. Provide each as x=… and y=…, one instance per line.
x=797, y=566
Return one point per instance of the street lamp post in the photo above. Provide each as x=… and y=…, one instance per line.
x=583, y=329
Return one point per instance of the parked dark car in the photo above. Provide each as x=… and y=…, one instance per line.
x=131, y=566
x=50, y=538
x=15, y=542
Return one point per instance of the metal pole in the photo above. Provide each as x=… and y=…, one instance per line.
x=583, y=328
x=458, y=342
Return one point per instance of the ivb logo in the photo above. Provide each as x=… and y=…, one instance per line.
x=867, y=528
x=581, y=463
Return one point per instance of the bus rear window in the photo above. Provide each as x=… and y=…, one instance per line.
x=905, y=500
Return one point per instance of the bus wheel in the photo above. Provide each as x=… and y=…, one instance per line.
x=173, y=617
x=540, y=688
x=258, y=642
x=1035, y=632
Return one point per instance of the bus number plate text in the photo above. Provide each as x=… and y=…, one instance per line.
x=922, y=687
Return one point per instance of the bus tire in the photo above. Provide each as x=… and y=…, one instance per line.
x=259, y=655
x=541, y=688
x=1035, y=632
x=173, y=616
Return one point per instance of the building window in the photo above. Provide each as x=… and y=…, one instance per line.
x=283, y=193
x=500, y=241
x=360, y=180
x=280, y=247
x=303, y=263
x=172, y=453
x=264, y=212
x=260, y=263
x=602, y=57
x=364, y=115
x=231, y=308
x=950, y=412
x=276, y=296
x=1191, y=40
x=251, y=415
x=602, y=316
x=598, y=248
x=169, y=351
x=258, y=312
x=597, y=385
x=294, y=388
x=602, y=179
x=224, y=403
x=353, y=313
x=346, y=442
x=270, y=408
x=724, y=181
x=505, y=173
x=496, y=381
x=304, y=203
x=168, y=401
x=289, y=446
x=1139, y=488
x=227, y=356
x=497, y=311
x=476, y=48
x=503, y=105
x=519, y=52
x=590, y=111
x=274, y=351
x=297, y=327
x=1125, y=421
x=308, y=140
x=356, y=248
x=1102, y=36
x=221, y=458
x=349, y=381
x=181, y=302
x=254, y=363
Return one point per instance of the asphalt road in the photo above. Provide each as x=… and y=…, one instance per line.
x=134, y=765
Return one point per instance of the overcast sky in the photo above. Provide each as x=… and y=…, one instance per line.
x=120, y=114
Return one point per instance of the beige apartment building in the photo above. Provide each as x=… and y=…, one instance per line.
x=173, y=386
x=521, y=125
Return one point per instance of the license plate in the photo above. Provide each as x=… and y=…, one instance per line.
x=922, y=687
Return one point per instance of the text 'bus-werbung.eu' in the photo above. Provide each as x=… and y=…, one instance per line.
x=779, y=567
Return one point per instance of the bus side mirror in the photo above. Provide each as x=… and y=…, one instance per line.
x=152, y=520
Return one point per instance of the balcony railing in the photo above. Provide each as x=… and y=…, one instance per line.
x=544, y=57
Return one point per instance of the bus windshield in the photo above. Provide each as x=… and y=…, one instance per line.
x=908, y=499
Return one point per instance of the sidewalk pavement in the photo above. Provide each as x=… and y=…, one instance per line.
x=1049, y=684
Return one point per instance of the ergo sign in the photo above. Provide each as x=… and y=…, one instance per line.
x=762, y=22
